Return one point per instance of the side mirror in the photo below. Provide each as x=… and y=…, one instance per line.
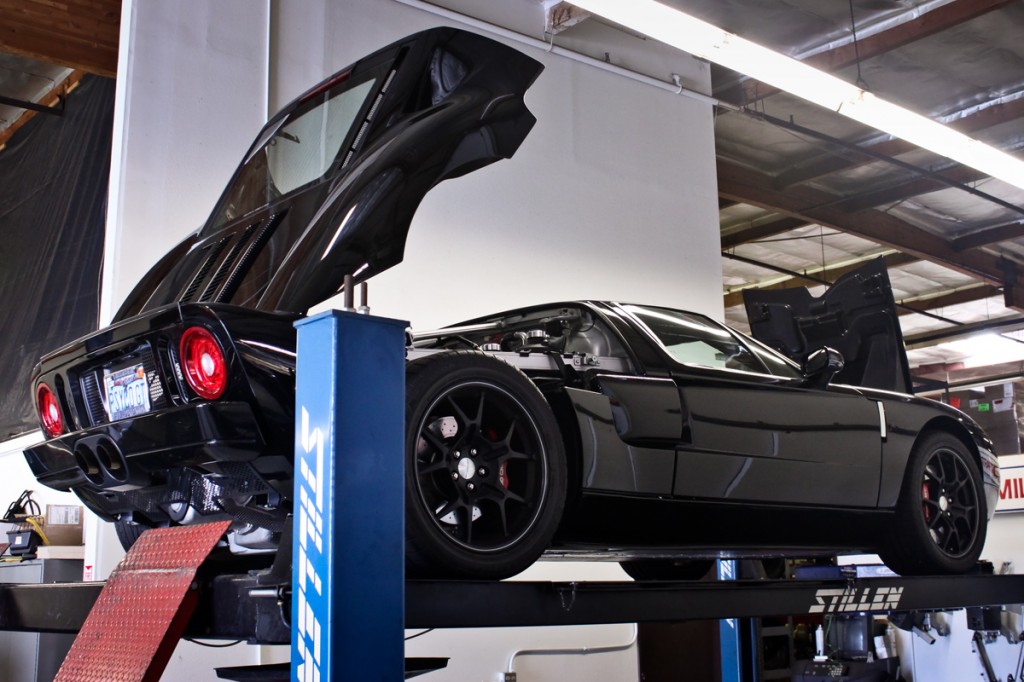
x=822, y=365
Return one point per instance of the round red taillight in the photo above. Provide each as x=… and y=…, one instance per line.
x=203, y=362
x=49, y=411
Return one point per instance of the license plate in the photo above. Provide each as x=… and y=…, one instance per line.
x=126, y=391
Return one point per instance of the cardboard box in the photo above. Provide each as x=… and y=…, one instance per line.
x=63, y=524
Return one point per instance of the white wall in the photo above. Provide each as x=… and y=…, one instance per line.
x=613, y=195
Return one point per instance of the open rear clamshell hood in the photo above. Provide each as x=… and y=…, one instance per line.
x=331, y=183
x=856, y=316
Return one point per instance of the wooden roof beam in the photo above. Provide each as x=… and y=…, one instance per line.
x=990, y=235
x=912, y=188
x=752, y=187
x=829, y=275
x=923, y=305
x=761, y=231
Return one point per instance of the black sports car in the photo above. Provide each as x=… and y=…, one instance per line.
x=648, y=433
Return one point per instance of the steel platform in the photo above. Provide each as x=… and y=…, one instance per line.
x=257, y=615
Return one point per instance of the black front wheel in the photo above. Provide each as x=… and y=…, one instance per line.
x=941, y=517
x=486, y=471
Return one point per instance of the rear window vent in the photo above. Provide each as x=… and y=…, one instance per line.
x=245, y=262
x=225, y=267
x=213, y=254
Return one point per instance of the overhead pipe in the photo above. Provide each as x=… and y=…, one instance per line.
x=673, y=86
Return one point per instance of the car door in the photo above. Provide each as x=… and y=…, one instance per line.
x=752, y=428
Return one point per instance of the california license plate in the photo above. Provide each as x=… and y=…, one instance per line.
x=126, y=391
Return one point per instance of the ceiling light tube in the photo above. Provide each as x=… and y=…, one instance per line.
x=707, y=41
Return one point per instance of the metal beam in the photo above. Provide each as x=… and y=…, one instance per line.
x=748, y=186
x=761, y=231
x=903, y=191
x=33, y=106
x=826, y=276
x=990, y=235
x=939, y=179
x=930, y=23
x=59, y=92
x=923, y=305
x=455, y=604
x=979, y=120
x=931, y=338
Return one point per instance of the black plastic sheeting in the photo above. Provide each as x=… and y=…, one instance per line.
x=53, y=192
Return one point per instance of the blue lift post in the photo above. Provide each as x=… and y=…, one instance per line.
x=348, y=573
x=729, y=636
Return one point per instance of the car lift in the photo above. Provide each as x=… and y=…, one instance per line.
x=349, y=603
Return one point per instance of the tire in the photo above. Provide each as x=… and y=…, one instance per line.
x=128, y=533
x=941, y=517
x=485, y=468
x=642, y=570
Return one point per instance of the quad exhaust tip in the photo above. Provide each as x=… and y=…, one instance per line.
x=101, y=461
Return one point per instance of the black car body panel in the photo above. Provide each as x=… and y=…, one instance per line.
x=856, y=315
x=184, y=447
x=286, y=231
x=741, y=458
x=658, y=431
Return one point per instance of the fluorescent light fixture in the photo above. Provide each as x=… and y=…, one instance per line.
x=704, y=40
x=984, y=350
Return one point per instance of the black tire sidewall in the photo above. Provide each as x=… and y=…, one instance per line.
x=912, y=549
x=430, y=552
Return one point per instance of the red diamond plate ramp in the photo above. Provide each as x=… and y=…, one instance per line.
x=143, y=609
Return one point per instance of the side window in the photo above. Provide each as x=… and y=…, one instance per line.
x=777, y=364
x=695, y=340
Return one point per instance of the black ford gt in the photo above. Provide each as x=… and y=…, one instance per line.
x=647, y=433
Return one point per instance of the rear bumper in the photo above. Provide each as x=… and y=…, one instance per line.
x=125, y=455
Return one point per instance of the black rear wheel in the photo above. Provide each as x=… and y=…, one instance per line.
x=941, y=518
x=486, y=472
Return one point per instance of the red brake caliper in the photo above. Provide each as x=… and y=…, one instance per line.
x=492, y=436
x=926, y=495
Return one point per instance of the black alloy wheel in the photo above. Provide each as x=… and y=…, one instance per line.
x=485, y=473
x=941, y=518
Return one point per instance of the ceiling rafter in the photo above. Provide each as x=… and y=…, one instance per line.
x=912, y=188
x=752, y=187
x=817, y=277
x=988, y=117
x=763, y=230
x=930, y=23
x=990, y=235
x=81, y=34
x=937, y=302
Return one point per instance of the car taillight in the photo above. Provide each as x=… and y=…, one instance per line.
x=49, y=411
x=203, y=363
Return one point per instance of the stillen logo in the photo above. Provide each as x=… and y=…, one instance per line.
x=312, y=604
x=853, y=599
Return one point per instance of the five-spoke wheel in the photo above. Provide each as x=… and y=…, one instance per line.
x=941, y=515
x=485, y=470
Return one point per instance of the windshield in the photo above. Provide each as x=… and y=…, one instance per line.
x=298, y=150
x=695, y=340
